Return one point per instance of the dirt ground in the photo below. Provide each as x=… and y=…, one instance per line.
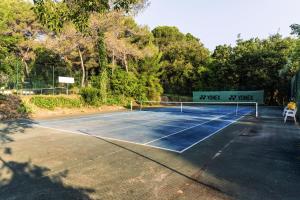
x=40, y=113
x=68, y=112
x=252, y=159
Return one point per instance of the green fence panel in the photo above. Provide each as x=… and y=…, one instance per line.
x=229, y=96
x=295, y=90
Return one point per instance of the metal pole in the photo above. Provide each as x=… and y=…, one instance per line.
x=131, y=105
x=180, y=106
x=67, y=89
x=53, y=80
x=17, y=78
x=141, y=105
x=256, y=110
x=237, y=107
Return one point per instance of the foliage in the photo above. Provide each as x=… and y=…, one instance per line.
x=253, y=64
x=293, y=64
x=90, y=96
x=184, y=60
x=50, y=103
x=46, y=63
x=19, y=32
x=149, y=73
x=24, y=109
x=126, y=84
x=3, y=78
x=118, y=101
x=53, y=14
x=12, y=107
x=12, y=68
x=99, y=43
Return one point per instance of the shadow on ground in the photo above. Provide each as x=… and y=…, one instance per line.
x=25, y=180
x=10, y=127
x=251, y=159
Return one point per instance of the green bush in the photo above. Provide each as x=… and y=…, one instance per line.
x=54, y=102
x=118, y=100
x=24, y=109
x=90, y=96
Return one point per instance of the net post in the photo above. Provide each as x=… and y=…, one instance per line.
x=256, y=109
x=237, y=107
x=181, y=107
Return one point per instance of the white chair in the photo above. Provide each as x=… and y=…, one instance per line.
x=290, y=113
x=284, y=111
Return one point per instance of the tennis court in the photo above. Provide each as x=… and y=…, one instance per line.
x=175, y=127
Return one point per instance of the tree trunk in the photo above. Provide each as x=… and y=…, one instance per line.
x=113, y=62
x=26, y=68
x=125, y=62
x=25, y=63
x=82, y=68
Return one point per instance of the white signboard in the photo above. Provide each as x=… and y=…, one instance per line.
x=62, y=79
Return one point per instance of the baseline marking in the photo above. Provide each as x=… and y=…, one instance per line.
x=105, y=138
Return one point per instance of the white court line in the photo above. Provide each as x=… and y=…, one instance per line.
x=134, y=125
x=211, y=134
x=100, y=117
x=183, y=130
x=90, y=117
x=149, y=117
x=105, y=138
x=141, y=144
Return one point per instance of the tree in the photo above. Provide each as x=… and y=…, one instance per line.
x=46, y=63
x=19, y=31
x=254, y=64
x=55, y=14
x=295, y=29
x=222, y=70
x=149, y=73
x=124, y=39
x=184, y=60
x=75, y=48
x=293, y=65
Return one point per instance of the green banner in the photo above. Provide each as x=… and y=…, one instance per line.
x=295, y=90
x=229, y=96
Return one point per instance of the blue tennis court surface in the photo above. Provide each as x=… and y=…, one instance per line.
x=159, y=128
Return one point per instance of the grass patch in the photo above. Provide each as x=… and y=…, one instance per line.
x=118, y=101
x=51, y=103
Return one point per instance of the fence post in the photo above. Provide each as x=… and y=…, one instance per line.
x=256, y=110
x=181, y=107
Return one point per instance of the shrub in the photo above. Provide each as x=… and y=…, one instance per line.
x=12, y=107
x=24, y=109
x=54, y=102
x=118, y=100
x=90, y=96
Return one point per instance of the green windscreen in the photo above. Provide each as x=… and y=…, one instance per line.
x=229, y=96
x=295, y=87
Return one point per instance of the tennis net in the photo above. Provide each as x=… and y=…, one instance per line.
x=220, y=108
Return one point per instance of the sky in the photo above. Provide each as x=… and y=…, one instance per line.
x=217, y=22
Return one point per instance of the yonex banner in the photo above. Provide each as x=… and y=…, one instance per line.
x=229, y=96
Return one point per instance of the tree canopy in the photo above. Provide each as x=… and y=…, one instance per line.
x=99, y=43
